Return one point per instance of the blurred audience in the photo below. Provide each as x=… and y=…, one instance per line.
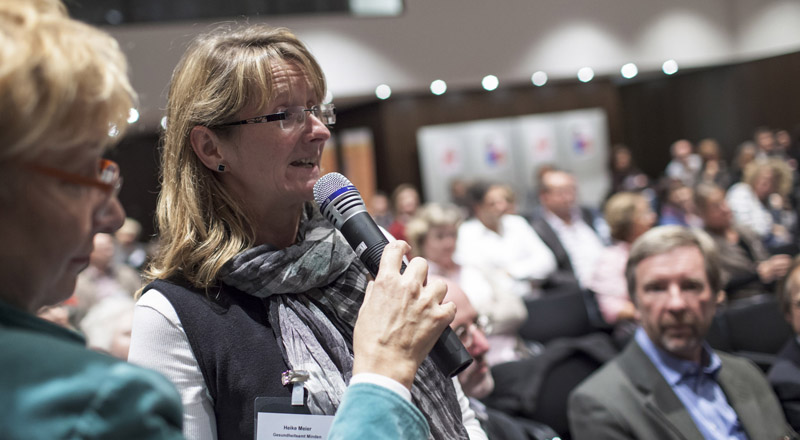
x=129, y=249
x=764, y=138
x=379, y=209
x=714, y=169
x=625, y=175
x=747, y=268
x=745, y=154
x=458, y=194
x=405, y=201
x=107, y=326
x=433, y=233
x=685, y=165
x=503, y=243
x=104, y=278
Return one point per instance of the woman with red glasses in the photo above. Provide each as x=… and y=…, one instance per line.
x=63, y=85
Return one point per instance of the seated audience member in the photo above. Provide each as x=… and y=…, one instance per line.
x=784, y=375
x=129, y=249
x=458, y=194
x=745, y=153
x=685, y=165
x=432, y=234
x=747, y=268
x=405, y=201
x=714, y=170
x=764, y=139
x=628, y=216
x=569, y=230
x=104, y=278
x=502, y=243
x=477, y=381
x=754, y=205
x=63, y=83
x=677, y=206
x=379, y=210
x=625, y=176
x=668, y=383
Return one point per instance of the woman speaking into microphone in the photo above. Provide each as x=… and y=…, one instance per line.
x=253, y=294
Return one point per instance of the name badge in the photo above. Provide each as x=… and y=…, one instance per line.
x=278, y=426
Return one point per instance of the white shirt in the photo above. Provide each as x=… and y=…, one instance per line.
x=159, y=342
x=748, y=210
x=580, y=241
x=516, y=250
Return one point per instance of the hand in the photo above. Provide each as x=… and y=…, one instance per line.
x=773, y=268
x=401, y=318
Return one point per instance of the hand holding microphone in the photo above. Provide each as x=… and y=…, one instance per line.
x=340, y=202
x=400, y=319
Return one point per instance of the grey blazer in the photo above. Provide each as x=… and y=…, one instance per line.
x=628, y=398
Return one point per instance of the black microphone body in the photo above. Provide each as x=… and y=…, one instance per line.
x=340, y=202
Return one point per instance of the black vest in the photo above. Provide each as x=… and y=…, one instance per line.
x=237, y=351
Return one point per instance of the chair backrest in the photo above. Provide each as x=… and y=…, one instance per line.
x=755, y=324
x=555, y=390
x=556, y=316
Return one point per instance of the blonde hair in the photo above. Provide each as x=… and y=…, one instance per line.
x=427, y=217
x=620, y=213
x=780, y=170
x=63, y=84
x=201, y=225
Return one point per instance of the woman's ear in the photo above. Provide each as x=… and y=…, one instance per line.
x=208, y=147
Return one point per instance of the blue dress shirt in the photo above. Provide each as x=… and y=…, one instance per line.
x=697, y=388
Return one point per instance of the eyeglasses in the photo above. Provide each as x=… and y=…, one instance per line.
x=465, y=332
x=292, y=117
x=108, y=177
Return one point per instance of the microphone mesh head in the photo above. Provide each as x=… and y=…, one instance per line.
x=329, y=184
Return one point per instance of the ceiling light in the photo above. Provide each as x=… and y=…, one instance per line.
x=629, y=70
x=670, y=67
x=383, y=91
x=438, y=87
x=490, y=82
x=585, y=74
x=539, y=78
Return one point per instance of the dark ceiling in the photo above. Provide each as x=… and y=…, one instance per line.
x=120, y=12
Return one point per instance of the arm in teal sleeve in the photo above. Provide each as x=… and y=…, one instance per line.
x=373, y=412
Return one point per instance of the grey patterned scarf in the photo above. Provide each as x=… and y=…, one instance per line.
x=314, y=289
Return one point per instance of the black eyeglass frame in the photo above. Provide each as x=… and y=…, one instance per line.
x=324, y=112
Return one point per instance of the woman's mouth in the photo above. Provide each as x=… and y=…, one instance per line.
x=305, y=163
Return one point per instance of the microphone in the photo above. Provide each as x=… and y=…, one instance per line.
x=341, y=203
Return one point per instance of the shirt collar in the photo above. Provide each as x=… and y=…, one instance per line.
x=557, y=222
x=675, y=369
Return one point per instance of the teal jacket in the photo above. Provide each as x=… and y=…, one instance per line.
x=371, y=412
x=52, y=387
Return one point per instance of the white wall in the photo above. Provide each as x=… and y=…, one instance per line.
x=460, y=41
